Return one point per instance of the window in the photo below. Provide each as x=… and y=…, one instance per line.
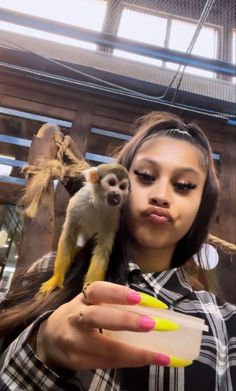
x=152, y=29
x=11, y=226
x=141, y=27
x=90, y=15
x=234, y=51
x=234, y=47
x=181, y=34
x=5, y=170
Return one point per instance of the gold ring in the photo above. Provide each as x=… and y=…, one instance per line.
x=84, y=292
x=81, y=319
x=82, y=322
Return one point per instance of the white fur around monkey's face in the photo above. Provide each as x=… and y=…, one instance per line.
x=115, y=190
x=109, y=184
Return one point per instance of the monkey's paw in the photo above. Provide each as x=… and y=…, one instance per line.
x=50, y=285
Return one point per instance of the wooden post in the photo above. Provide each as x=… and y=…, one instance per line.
x=62, y=197
x=37, y=235
x=79, y=133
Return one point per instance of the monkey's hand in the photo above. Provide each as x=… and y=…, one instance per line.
x=62, y=264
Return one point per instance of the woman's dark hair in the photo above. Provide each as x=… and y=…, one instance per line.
x=20, y=307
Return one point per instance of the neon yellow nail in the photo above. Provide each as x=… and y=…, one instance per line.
x=165, y=325
x=149, y=301
x=179, y=362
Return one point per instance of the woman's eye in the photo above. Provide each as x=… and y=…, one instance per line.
x=184, y=187
x=144, y=176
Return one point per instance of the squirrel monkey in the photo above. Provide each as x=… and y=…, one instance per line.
x=93, y=210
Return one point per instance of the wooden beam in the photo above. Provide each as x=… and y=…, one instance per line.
x=35, y=107
x=10, y=193
x=79, y=133
x=37, y=235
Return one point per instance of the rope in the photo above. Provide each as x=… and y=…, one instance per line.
x=217, y=242
x=64, y=166
x=63, y=144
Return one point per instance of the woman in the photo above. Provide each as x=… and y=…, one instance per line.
x=173, y=196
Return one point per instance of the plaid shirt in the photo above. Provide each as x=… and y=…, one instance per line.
x=214, y=370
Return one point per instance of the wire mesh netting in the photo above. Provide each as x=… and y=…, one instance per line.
x=151, y=50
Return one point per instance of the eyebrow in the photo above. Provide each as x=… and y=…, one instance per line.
x=178, y=170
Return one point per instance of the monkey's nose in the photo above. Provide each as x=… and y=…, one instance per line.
x=113, y=198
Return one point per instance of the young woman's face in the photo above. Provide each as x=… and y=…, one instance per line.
x=167, y=180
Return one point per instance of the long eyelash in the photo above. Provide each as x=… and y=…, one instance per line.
x=182, y=186
x=145, y=176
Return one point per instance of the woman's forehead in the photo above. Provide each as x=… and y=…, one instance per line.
x=166, y=149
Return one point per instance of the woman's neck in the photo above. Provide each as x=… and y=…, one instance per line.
x=150, y=260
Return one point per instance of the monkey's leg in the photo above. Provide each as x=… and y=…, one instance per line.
x=99, y=261
x=64, y=258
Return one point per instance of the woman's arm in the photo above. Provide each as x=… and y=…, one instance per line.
x=21, y=369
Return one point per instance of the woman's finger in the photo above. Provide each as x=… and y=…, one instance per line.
x=106, y=292
x=112, y=318
x=98, y=351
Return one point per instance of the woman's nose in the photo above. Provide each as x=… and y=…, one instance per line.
x=159, y=201
x=160, y=196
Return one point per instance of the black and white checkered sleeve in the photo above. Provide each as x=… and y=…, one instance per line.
x=22, y=370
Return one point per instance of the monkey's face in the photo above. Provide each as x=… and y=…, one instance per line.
x=115, y=190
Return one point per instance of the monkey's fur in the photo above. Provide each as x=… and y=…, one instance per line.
x=93, y=211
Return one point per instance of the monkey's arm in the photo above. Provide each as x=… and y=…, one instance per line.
x=100, y=258
x=67, y=245
x=65, y=254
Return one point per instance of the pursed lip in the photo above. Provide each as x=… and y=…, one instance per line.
x=157, y=211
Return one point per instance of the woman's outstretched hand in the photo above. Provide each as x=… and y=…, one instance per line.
x=70, y=337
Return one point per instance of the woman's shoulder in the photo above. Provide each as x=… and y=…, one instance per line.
x=44, y=263
x=209, y=297
x=214, y=307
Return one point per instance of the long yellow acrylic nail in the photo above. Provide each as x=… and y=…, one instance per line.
x=165, y=325
x=171, y=361
x=157, y=324
x=179, y=362
x=149, y=301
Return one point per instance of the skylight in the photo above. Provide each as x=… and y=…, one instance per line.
x=152, y=29
x=89, y=14
x=141, y=27
x=181, y=33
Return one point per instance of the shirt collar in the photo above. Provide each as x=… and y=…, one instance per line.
x=170, y=285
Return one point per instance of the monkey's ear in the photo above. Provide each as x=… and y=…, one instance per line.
x=92, y=175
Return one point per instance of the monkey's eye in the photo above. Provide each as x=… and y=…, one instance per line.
x=123, y=186
x=112, y=182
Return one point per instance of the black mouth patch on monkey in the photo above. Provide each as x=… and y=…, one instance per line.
x=113, y=199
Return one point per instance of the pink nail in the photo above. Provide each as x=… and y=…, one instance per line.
x=133, y=297
x=162, y=359
x=146, y=324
